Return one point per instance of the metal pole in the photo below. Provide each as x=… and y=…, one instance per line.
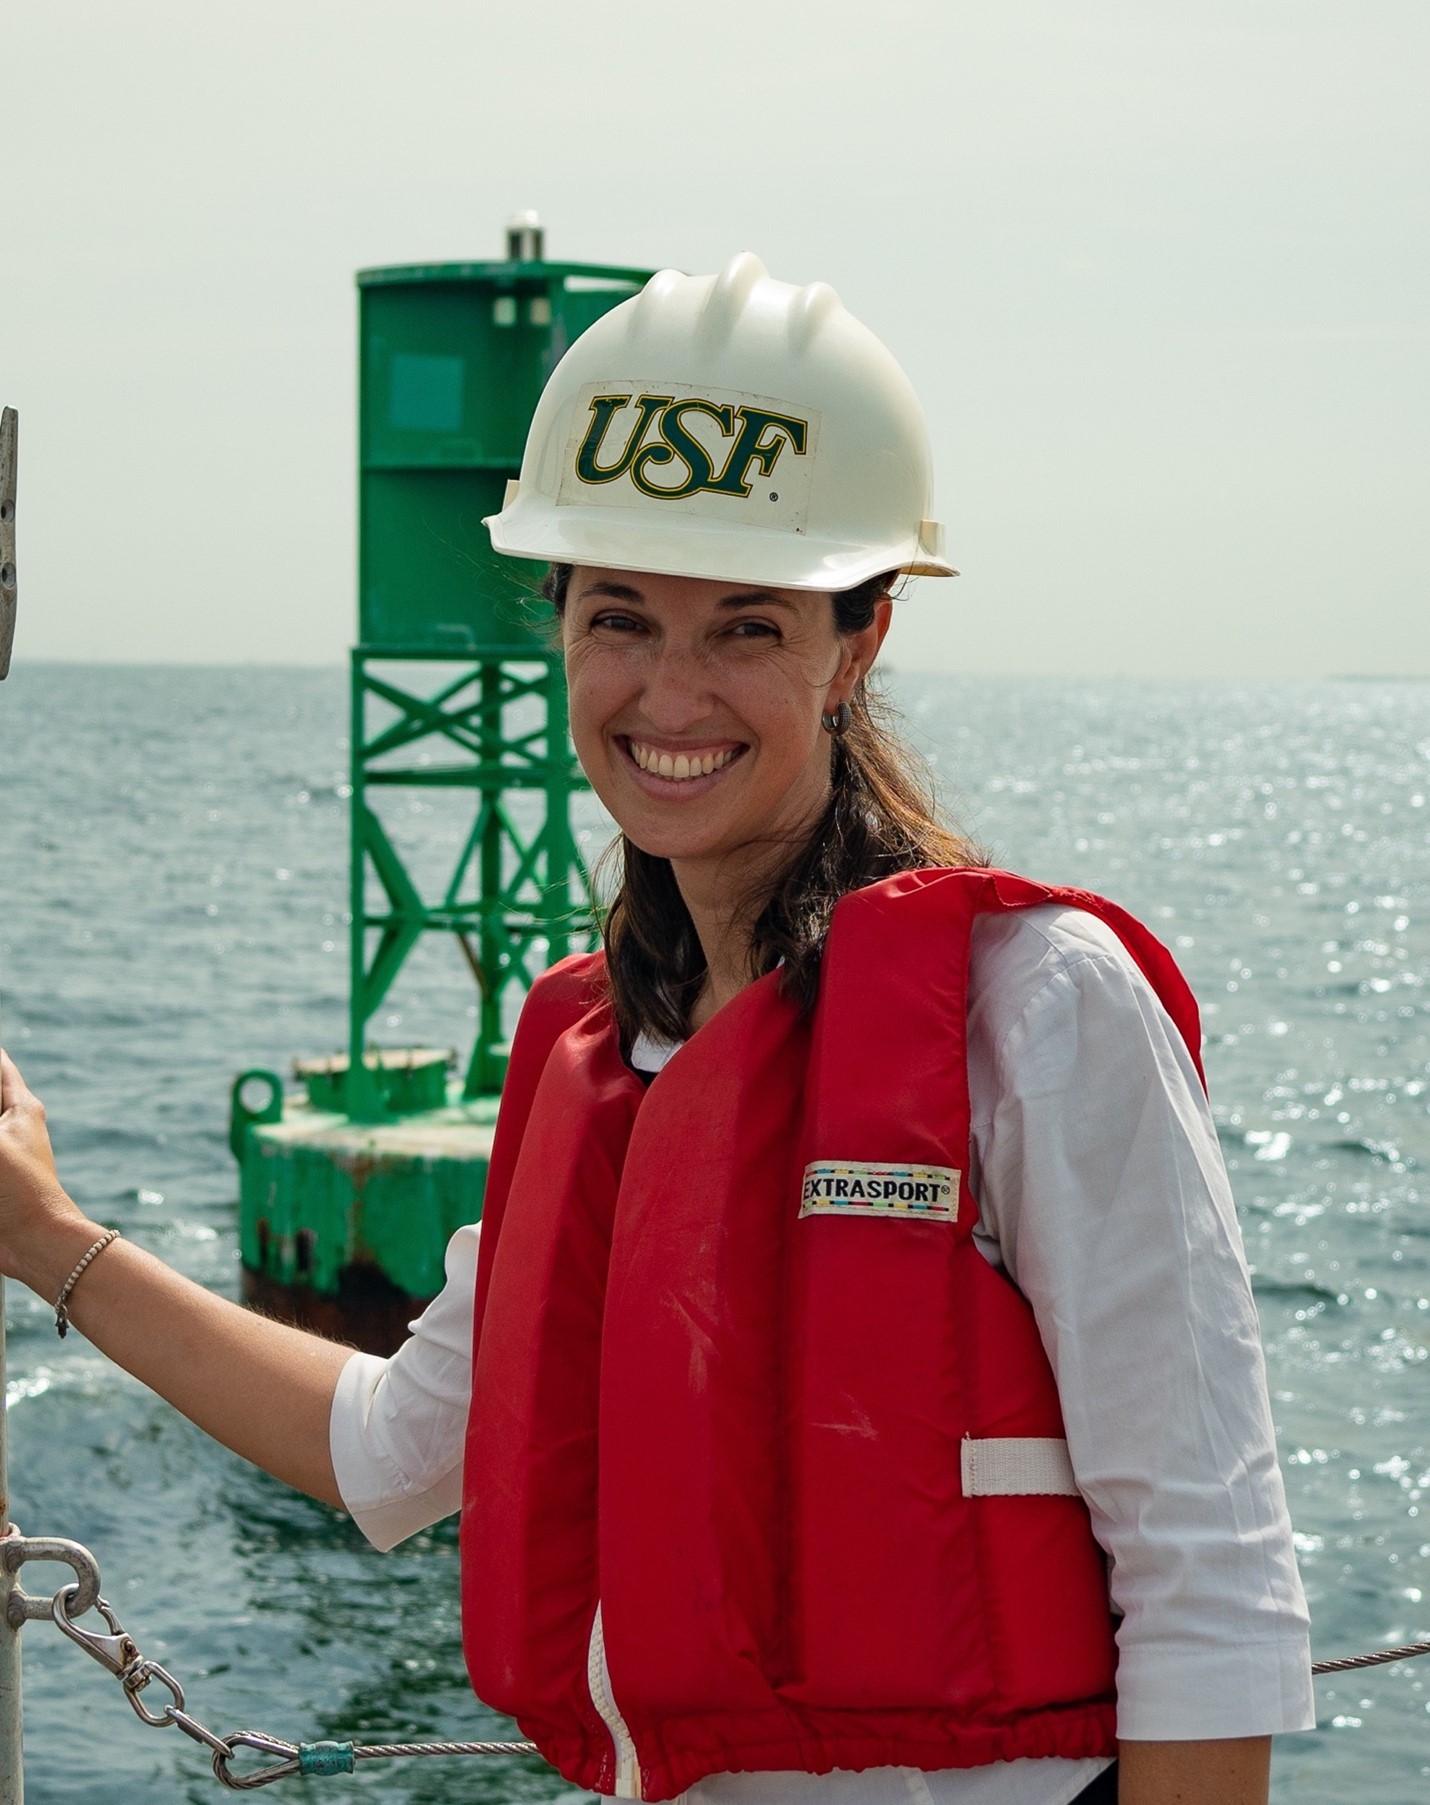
x=12, y=1771
x=12, y=1776
x=9, y=463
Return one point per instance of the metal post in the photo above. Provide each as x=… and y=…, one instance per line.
x=12, y=1773
x=12, y=1776
x=9, y=464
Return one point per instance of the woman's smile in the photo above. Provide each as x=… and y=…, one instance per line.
x=678, y=771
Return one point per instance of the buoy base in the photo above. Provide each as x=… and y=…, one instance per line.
x=343, y=1225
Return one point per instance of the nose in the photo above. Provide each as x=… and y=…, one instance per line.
x=676, y=694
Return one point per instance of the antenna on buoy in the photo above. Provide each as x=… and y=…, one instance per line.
x=525, y=238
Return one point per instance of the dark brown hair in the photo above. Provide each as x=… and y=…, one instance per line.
x=880, y=819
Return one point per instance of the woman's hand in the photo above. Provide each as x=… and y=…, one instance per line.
x=40, y=1227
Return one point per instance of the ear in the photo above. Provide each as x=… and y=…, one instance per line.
x=858, y=653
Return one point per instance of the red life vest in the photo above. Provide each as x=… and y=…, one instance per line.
x=733, y=1404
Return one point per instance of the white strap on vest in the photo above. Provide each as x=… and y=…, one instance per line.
x=1015, y=1466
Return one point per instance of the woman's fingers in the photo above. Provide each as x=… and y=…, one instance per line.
x=16, y=1097
x=33, y=1205
x=12, y=1085
x=22, y=1117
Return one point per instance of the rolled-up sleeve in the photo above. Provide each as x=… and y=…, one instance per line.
x=397, y=1426
x=1104, y=1195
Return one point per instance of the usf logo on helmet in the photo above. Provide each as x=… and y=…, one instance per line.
x=718, y=453
x=666, y=455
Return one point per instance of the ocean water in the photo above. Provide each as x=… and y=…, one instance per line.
x=172, y=885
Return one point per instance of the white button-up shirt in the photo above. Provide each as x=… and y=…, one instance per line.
x=1103, y=1195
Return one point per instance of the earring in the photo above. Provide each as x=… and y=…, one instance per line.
x=837, y=722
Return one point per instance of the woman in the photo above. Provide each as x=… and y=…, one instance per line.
x=859, y=1293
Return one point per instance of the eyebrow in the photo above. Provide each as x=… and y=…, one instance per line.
x=765, y=598
x=619, y=592
x=623, y=592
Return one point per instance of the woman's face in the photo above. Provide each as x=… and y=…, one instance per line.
x=695, y=706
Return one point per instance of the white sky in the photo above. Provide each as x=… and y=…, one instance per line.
x=1159, y=273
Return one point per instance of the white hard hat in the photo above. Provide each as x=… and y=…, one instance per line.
x=733, y=427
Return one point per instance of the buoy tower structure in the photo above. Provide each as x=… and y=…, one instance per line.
x=352, y=1182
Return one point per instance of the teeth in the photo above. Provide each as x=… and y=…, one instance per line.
x=679, y=766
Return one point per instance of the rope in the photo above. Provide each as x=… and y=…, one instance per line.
x=1407, y=1651
x=378, y=1751
x=382, y=1751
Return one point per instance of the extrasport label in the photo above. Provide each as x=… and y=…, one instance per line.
x=850, y=1187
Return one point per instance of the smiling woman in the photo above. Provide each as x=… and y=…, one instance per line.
x=860, y=1379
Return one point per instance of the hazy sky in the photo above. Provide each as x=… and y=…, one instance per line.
x=1159, y=273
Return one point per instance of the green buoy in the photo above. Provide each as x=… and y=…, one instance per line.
x=351, y=1185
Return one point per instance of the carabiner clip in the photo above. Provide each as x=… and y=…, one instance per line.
x=116, y=1651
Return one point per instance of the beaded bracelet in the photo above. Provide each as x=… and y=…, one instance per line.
x=62, y=1315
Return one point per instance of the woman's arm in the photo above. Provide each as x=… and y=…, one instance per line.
x=1234, y=1772
x=1097, y=1167
x=261, y=1388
